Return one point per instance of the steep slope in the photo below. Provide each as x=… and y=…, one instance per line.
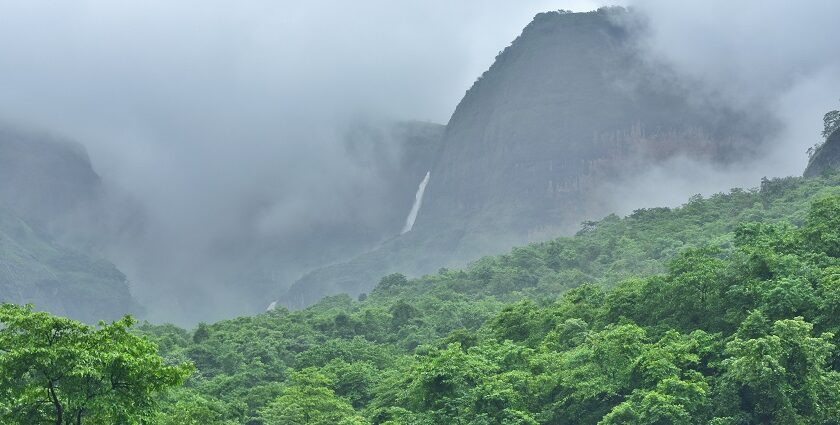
x=534, y=147
x=568, y=108
x=672, y=271
x=398, y=155
x=36, y=269
x=826, y=158
x=44, y=178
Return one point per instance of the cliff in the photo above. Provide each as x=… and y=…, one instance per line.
x=825, y=158
x=569, y=108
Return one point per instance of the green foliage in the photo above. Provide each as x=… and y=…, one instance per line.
x=60, y=371
x=723, y=311
x=822, y=228
x=831, y=122
x=184, y=407
x=308, y=400
x=781, y=377
x=658, y=317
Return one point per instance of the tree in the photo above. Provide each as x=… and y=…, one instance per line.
x=186, y=407
x=831, y=122
x=648, y=407
x=782, y=378
x=308, y=400
x=440, y=383
x=401, y=313
x=202, y=332
x=394, y=280
x=57, y=370
x=822, y=227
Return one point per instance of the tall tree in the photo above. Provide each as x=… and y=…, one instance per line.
x=59, y=371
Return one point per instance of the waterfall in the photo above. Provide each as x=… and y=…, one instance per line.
x=418, y=200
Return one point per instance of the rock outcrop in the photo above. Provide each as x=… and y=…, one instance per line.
x=826, y=157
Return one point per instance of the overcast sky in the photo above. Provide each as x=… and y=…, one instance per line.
x=213, y=99
x=224, y=119
x=147, y=63
x=780, y=56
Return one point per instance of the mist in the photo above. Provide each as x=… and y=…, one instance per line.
x=223, y=123
x=774, y=59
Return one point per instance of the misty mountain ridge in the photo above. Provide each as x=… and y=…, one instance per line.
x=369, y=213
x=56, y=207
x=571, y=108
x=45, y=184
x=571, y=117
x=396, y=155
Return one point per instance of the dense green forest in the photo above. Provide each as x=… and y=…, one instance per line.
x=723, y=311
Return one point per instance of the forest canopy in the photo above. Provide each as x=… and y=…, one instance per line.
x=723, y=311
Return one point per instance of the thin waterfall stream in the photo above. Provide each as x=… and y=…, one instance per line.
x=418, y=201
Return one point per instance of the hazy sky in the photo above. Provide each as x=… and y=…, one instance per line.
x=224, y=119
x=199, y=104
x=780, y=56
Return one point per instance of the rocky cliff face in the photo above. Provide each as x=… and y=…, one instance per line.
x=569, y=107
x=43, y=178
x=400, y=154
x=826, y=157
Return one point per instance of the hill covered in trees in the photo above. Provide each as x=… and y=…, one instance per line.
x=721, y=311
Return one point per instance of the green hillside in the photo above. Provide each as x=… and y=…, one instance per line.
x=722, y=311
x=721, y=308
x=36, y=269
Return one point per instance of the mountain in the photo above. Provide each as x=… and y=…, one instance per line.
x=44, y=178
x=48, y=186
x=536, y=145
x=234, y=274
x=44, y=183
